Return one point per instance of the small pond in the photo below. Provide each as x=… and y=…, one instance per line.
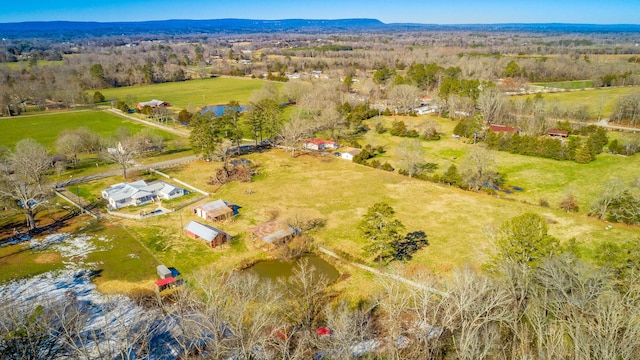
x=274, y=269
x=218, y=110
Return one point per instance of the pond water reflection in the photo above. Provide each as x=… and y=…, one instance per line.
x=218, y=110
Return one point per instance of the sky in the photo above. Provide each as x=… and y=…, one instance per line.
x=387, y=11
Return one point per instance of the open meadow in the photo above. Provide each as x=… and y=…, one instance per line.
x=600, y=101
x=542, y=179
x=340, y=192
x=197, y=93
x=46, y=127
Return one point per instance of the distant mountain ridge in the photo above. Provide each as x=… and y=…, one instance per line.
x=69, y=28
x=73, y=29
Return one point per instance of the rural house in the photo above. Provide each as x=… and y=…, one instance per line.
x=319, y=144
x=216, y=210
x=152, y=104
x=273, y=233
x=139, y=193
x=213, y=236
x=558, y=133
x=503, y=129
x=349, y=154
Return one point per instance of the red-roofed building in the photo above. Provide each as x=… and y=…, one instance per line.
x=165, y=283
x=558, y=133
x=504, y=129
x=319, y=144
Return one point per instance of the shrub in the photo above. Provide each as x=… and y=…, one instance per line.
x=569, y=204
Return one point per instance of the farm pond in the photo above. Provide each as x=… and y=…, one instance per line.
x=275, y=269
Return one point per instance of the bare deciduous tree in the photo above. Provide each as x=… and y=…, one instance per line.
x=404, y=97
x=492, y=103
x=478, y=169
x=22, y=178
x=295, y=131
x=410, y=156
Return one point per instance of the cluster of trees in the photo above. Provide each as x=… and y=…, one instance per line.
x=627, y=109
x=384, y=234
x=617, y=202
x=574, y=148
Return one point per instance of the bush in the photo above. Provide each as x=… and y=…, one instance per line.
x=569, y=204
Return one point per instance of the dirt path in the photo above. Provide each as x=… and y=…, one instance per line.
x=183, y=133
x=384, y=274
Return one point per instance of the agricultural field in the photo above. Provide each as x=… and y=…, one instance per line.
x=197, y=93
x=46, y=127
x=600, y=101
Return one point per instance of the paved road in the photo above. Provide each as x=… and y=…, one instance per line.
x=179, y=132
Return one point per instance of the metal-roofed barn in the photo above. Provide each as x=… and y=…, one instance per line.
x=273, y=233
x=207, y=233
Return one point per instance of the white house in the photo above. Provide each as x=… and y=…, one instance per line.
x=348, y=155
x=319, y=144
x=139, y=193
x=153, y=104
x=426, y=109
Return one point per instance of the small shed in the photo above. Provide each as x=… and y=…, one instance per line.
x=273, y=233
x=349, y=154
x=558, y=133
x=163, y=284
x=163, y=272
x=213, y=236
x=216, y=210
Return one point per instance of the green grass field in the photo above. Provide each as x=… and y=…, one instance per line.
x=197, y=93
x=46, y=127
x=600, y=101
x=456, y=221
x=542, y=179
x=568, y=85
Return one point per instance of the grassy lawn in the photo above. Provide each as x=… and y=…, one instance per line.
x=18, y=261
x=593, y=98
x=198, y=93
x=46, y=127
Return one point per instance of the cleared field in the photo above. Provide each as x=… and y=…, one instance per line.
x=569, y=85
x=46, y=127
x=197, y=93
x=600, y=100
x=456, y=221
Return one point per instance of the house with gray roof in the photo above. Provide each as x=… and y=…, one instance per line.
x=216, y=210
x=213, y=236
x=139, y=193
